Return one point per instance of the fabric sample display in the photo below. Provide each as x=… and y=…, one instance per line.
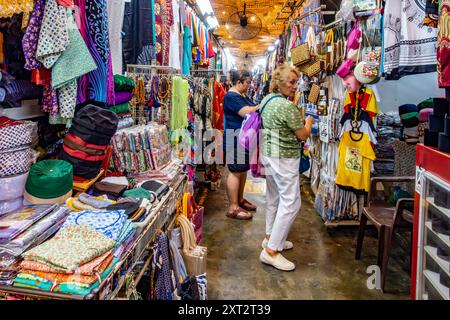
x=409, y=46
x=109, y=223
x=71, y=247
x=18, y=221
x=354, y=162
x=97, y=85
x=54, y=35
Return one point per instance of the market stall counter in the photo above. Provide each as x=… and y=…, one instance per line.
x=160, y=217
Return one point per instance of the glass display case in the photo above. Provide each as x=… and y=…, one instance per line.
x=432, y=232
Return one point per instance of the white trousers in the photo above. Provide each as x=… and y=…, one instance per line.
x=282, y=198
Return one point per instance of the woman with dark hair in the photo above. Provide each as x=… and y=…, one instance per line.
x=235, y=107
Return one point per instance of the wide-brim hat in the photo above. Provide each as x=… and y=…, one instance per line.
x=59, y=200
x=49, y=181
x=361, y=77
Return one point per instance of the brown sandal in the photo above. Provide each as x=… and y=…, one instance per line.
x=247, y=205
x=235, y=214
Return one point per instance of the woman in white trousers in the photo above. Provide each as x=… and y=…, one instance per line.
x=283, y=128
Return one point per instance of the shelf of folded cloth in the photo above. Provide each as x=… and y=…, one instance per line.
x=163, y=213
x=29, y=110
x=84, y=185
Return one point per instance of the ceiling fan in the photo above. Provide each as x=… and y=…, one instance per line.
x=243, y=25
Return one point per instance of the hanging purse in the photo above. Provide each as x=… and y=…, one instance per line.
x=300, y=54
x=314, y=93
x=311, y=68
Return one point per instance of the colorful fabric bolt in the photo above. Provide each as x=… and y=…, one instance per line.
x=97, y=85
x=73, y=246
x=30, y=39
x=54, y=35
x=109, y=223
x=97, y=265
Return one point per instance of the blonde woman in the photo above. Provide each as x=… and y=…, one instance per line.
x=284, y=127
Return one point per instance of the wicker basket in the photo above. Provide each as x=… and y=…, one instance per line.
x=311, y=68
x=300, y=54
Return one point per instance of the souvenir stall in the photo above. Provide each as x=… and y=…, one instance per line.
x=353, y=140
x=87, y=154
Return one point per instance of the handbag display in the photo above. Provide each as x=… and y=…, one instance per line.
x=314, y=93
x=311, y=68
x=194, y=256
x=300, y=54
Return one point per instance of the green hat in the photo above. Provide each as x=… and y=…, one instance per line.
x=49, y=180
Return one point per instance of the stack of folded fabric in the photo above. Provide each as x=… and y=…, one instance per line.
x=141, y=148
x=123, y=87
x=24, y=229
x=88, y=139
x=409, y=113
x=13, y=91
x=80, y=255
x=112, y=223
x=74, y=261
x=389, y=129
x=16, y=158
x=86, y=201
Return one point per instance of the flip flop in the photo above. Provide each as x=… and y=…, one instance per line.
x=247, y=205
x=235, y=214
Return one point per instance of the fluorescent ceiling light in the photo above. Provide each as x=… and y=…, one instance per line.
x=261, y=62
x=212, y=22
x=205, y=6
x=271, y=48
x=277, y=42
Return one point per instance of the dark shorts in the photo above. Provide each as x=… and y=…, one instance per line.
x=236, y=157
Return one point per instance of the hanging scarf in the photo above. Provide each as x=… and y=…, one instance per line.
x=30, y=39
x=54, y=35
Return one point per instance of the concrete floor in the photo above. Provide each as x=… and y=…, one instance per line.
x=326, y=268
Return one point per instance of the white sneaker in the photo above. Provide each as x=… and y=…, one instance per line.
x=287, y=244
x=278, y=261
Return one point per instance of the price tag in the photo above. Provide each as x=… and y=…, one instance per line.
x=322, y=92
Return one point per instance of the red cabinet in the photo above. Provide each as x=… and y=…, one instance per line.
x=430, y=274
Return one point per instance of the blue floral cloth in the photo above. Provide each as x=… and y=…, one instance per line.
x=109, y=223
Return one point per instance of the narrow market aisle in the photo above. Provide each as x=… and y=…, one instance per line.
x=326, y=268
